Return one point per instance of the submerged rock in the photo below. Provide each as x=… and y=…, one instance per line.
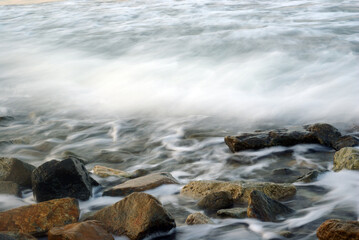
x=216, y=200
x=39, y=218
x=136, y=216
x=12, y=169
x=320, y=133
x=334, y=229
x=16, y=236
x=141, y=184
x=198, y=218
x=233, y=212
x=310, y=176
x=59, y=179
x=239, y=190
x=346, y=141
x=346, y=158
x=89, y=230
x=8, y=187
x=284, y=175
x=104, y=172
x=264, y=208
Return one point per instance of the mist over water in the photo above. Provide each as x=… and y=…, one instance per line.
x=157, y=85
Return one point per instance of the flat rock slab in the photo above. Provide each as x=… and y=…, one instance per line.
x=233, y=212
x=136, y=216
x=346, y=158
x=89, y=230
x=334, y=229
x=8, y=187
x=239, y=190
x=39, y=218
x=198, y=218
x=12, y=169
x=141, y=184
x=320, y=133
x=264, y=208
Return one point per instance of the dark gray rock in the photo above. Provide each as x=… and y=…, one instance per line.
x=346, y=141
x=310, y=176
x=216, y=200
x=327, y=134
x=60, y=179
x=264, y=208
x=8, y=187
x=12, y=169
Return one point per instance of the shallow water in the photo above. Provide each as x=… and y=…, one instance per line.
x=158, y=84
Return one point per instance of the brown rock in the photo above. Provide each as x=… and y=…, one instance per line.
x=7, y=187
x=104, y=172
x=89, y=230
x=346, y=158
x=346, y=141
x=141, y=184
x=15, y=236
x=264, y=208
x=334, y=229
x=233, y=212
x=12, y=169
x=239, y=190
x=198, y=218
x=136, y=216
x=326, y=134
x=37, y=219
x=216, y=200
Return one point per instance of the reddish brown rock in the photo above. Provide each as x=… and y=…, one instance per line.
x=39, y=218
x=334, y=229
x=136, y=216
x=141, y=184
x=89, y=230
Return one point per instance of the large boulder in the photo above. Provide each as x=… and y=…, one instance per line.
x=216, y=200
x=334, y=229
x=346, y=158
x=89, y=230
x=198, y=218
x=12, y=169
x=59, y=179
x=7, y=187
x=141, y=184
x=264, y=208
x=136, y=216
x=39, y=218
x=346, y=141
x=239, y=190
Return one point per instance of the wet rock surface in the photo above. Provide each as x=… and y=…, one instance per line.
x=39, y=218
x=198, y=218
x=239, y=190
x=12, y=169
x=104, y=172
x=7, y=187
x=310, y=176
x=141, y=184
x=59, y=179
x=346, y=141
x=89, y=230
x=216, y=200
x=346, y=158
x=233, y=212
x=262, y=207
x=338, y=230
x=16, y=236
x=326, y=134
x=136, y=216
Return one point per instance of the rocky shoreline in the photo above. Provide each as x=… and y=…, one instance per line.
x=59, y=185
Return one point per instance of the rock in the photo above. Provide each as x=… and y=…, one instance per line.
x=284, y=175
x=346, y=158
x=6, y=118
x=136, y=216
x=286, y=234
x=39, y=218
x=89, y=230
x=15, y=236
x=326, y=134
x=346, y=141
x=334, y=229
x=139, y=173
x=310, y=176
x=104, y=172
x=264, y=208
x=12, y=169
x=141, y=184
x=216, y=200
x=8, y=187
x=239, y=190
x=198, y=218
x=59, y=179
x=233, y=212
